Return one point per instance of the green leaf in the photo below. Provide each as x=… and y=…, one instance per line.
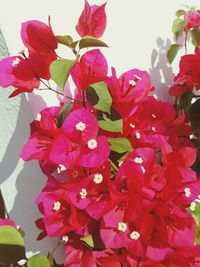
x=88, y=240
x=111, y=126
x=172, y=52
x=11, y=245
x=195, y=33
x=65, y=40
x=89, y=41
x=196, y=216
x=60, y=71
x=38, y=260
x=178, y=26
x=180, y=12
x=98, y=96
x=10, y=236
x=63, y=113
x=120, y=145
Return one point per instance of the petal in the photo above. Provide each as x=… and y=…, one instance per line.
x=95, y=157
x=64, y=152
x=38, y=37
x=84, y=117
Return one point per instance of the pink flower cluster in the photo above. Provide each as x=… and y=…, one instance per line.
x=120, y=183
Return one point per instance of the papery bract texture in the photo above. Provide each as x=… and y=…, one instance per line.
x=92, y=20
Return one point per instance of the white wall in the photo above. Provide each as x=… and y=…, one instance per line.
x=138, y=33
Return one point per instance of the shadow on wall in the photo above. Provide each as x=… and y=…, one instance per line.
x=161, y=72
x=29, y=182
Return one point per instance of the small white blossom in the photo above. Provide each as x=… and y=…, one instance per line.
x=135, y=235
x=61, y=168
x=83, y=193
x=92, y=144
x=132, y=125
x=65, y=238
x=15, y=62
x=138, y=135
x=138, y=160
x=193, y=206
x=132, y=82
x=56, y=205
x=187, y=192
x=98, y=178
x=122, y=227
x=80, y=126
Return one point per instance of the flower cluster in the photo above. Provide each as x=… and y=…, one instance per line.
x=120, y=185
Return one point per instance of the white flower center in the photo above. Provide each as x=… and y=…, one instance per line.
x=122, y=227
x=56, y=205
x=138, y=160
x=187, y=192
x=15, y=62
x=98, y=178
x=80, y=126
x=65, y=238
x=132, y=82
x=153, y=129
x=193, y=206
x=61, y=168
x=92, y=143
x=83, y=193
x=135, y=235
x=132, y=125
x=138, y=135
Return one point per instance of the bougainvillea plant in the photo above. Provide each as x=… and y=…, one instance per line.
x=122, y=167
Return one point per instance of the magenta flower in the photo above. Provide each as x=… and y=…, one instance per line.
x=43, y=134
x=25, y=73
x=193, y=19
x=18, y=72
x=128, y=223
x=91, y=68
x=60, y=216
x=78, y=144
x=129, y=90
x=38, y=37
x=92, y=193
x=92, y=20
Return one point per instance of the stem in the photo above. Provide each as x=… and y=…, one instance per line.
x=186, y=34
x=114, y=166
x=59, y=93
x=54, y=249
